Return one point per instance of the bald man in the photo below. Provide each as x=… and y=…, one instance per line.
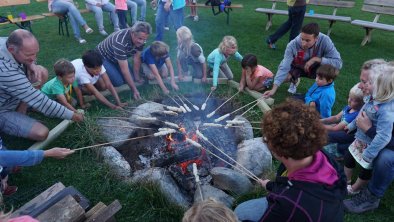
x=18, y=76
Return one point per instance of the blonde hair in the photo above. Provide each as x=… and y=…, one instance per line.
x=356, y=93
x=209, y=210
x=185, y=39
x=227, y=42
x=383, y=82
x=367, y=65
x=159, y=48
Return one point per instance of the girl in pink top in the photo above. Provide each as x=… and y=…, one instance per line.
x=255, y=77
x=121, y=10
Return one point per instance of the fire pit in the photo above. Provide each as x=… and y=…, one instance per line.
x=183, y=137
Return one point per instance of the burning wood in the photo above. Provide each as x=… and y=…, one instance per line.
x=164, y=132
x=222, y=118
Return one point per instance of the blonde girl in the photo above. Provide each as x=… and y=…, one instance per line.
x=190, y=53
x=217, y=60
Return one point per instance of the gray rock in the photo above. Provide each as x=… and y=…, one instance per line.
x=244, y=132
x=118, y=165
x=230, y=180
x=114, y=133
x=146, y=110
x=166, y=184
x=209, y=191
x=254, y=155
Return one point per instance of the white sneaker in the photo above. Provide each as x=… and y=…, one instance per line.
x=350, y=190
x=81, y=41
x=292, y=89
x=166, y=28
x=103, y=32
x=196, y=18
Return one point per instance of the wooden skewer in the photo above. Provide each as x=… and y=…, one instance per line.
x=243, y=106
x=220, y=125
x=208, y=96
x=103, y=144
x=250, y=108
x=112, y=117
x=132, y=127
x=173, y=100
x=213, y=112
x=194, y=106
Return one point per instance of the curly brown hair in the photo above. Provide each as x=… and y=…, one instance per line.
x=293, y=130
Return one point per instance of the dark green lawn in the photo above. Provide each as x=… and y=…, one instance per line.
x=85, y=171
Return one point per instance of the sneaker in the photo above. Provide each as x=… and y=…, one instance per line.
x=166, y=28
x=89, y=30
x=270, y=44
x=292, y=88
x=103, y=32
x=350, y=190
x=364, y=201
x=81, y=41
x=10, y=190
x=196, y=18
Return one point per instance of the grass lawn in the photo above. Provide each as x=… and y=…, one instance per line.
x=85, y=171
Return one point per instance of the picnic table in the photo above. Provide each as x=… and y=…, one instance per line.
x=23, y=23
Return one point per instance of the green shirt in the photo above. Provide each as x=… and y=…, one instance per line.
x=55, y=87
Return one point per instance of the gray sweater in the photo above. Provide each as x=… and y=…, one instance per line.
x=15, y=87
x=324, y=48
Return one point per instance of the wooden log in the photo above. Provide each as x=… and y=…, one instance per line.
x=66, y=210
x=106, y=213
x=47, y=194
x=220, y=80
x=99, y=206
x=53, y=134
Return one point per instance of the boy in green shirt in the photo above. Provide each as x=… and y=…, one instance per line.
x=61, y=87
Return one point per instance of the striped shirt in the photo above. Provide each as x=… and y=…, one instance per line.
x=15, y=87
x=118, y=46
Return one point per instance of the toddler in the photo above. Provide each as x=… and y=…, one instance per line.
x=255, y=77
x=60, y=88
x=322, y=93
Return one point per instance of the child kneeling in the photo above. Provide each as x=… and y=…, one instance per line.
x=255, y=77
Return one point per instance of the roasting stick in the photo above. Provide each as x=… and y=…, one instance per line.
x=249, y=108
x=173, y=112
x=197, y=178
x=228, y=114
x=118, y=141
x=194, y=106
x=199, y=134
x=213, y=113
x=112, y=117
x=206, y=100
x=184, y=104
x=180, y=106
x=220, y=125
x=194, y=143
x=133, y=127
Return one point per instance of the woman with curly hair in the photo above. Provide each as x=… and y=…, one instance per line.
x=309, y=185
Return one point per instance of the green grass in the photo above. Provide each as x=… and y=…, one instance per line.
x=86, y=172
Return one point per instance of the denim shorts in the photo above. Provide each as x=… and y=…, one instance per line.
x=16, y=124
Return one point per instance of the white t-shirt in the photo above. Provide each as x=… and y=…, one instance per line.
x=82, y=75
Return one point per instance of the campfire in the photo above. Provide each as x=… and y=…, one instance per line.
x=184, y=138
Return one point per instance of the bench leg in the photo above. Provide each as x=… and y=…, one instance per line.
x=368, y=36
x=269, y=22
x=27, y=25
x=331, y=23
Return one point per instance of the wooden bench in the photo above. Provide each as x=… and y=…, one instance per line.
x=378, y=7
x=332, y=18
x=227, y=12
x=21, y=23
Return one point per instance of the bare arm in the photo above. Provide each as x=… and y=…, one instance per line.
x=62, y=100
x=90, y=87
x=124, y=68
x=137, y=66
x=112, y=89
x=333, y=119
x=171, y=70
x=155, y=72
x=338, y=127
x=78, y=92
x=204, y=72
x=242, y=82
x=180, y=75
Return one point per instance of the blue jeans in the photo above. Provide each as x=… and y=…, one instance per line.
x=133, y=10
x=75, y=17
x=293, y=23
x=251, y=210
x=114, y=73
x=142, y=4
x=342, y=138
x=161, y=15
x=382, y=173
x=98, y=14
x=122, y=18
